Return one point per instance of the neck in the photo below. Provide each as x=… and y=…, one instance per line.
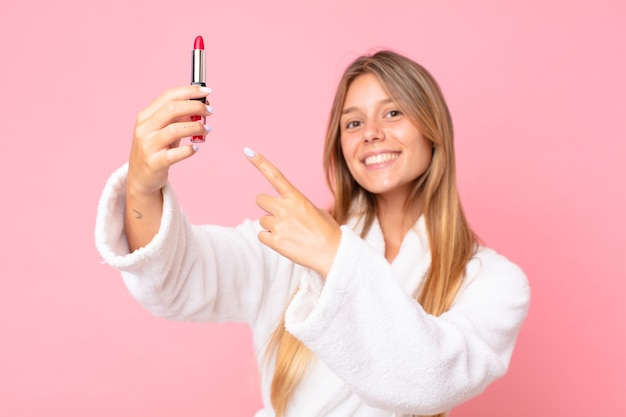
x=395, y=221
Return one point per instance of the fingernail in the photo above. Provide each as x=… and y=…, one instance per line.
x=205, y=89
x=209, y=109
x=249, y=152
x=195, y=148
x=208, y=128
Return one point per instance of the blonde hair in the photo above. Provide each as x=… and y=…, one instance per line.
x=451, y=241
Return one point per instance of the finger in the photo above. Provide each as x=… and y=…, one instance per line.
x=177, y=111
x=169, y=157
x=267, y=222
x=268, y=204
x=271, y=173
x=171, y=135
x=175, y=144
x=187, y=92
x=266, y=238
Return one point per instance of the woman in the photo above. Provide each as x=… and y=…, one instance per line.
x=386, y=306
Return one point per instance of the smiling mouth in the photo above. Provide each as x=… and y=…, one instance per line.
x=381, y=158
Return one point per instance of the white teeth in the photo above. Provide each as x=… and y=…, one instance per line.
x=381, y=158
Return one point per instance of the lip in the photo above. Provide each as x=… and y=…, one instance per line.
x=380, y=159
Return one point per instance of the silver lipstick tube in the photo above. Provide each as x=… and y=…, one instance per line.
x=197, y=67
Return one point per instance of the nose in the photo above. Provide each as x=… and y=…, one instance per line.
x=373, y=132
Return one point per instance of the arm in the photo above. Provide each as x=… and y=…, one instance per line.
x=378, y=339
x=142, y=217
x=187, y=272
x=155, y=148
x=174, y=269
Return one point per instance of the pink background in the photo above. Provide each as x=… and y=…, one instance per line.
x=537, y=93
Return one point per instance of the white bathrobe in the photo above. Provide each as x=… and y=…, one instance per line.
x=377, y=353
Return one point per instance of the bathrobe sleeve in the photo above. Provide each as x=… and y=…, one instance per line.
x=392, y=354
x=200, y=273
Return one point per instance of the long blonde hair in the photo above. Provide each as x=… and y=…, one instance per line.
x=451, y=241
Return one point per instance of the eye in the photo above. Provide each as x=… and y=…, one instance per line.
x=353, y=124
x=393, y=113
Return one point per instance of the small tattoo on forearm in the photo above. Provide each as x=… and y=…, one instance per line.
x=138, y=215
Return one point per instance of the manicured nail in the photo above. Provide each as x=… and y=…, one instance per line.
x=195, y=148
x=208, y=128
x=249, y=152
x=205, y=90
x=209, y=109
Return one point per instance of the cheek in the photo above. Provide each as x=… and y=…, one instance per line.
x=422, y=150
x=348, y=147
x=421, y=145
x=427, y=150
x=425, y=156
x=349, y=150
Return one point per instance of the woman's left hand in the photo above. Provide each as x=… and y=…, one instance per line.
x=294, y=227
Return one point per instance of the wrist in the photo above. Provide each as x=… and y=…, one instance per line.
x=139, y=194
x=329, y=258
x=140, y=204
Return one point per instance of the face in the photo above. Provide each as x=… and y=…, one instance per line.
x=384, y=150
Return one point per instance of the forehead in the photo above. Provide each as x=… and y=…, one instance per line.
x=363, y=90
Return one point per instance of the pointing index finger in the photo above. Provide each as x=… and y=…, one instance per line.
x=271, y=173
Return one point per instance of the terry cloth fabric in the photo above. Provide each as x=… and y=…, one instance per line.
x=377, y=353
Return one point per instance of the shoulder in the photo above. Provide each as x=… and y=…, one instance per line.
x=488, y=261
x=492, y=273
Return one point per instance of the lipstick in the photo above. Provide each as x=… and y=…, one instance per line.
x=197, y=77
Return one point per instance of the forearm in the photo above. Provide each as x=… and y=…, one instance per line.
x=142, y=217
x=155, y=148
x=437, y=362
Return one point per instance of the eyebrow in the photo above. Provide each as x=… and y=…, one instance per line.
x=353, y=108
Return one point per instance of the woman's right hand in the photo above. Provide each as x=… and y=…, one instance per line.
x=156, y=146
x=158, y=131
